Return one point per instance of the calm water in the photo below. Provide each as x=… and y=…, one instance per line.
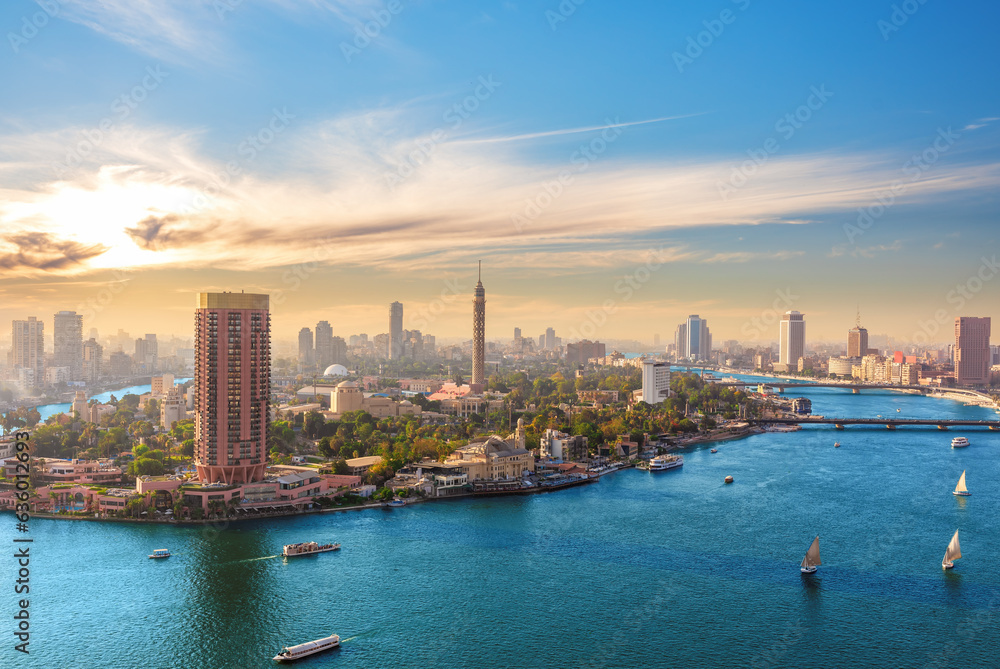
x=47, y=410
x=641, y=569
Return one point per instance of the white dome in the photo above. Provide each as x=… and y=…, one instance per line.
x=335, y=370
x=347, y=384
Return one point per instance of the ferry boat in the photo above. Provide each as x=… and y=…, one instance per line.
x=160, y=553
x=663, y=462
x=307, y=548
x=959, y=442
x=289, y=653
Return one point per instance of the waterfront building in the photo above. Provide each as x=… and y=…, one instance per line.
x=655, y=381
x=492, y=458
x=842, y=366
x=561, y=446
x=360, y=466
x=160, y=385
x=479, y=335
x=693, y=339
x=791, y=340
x=582, y=351
x=394, y=350
x=27, y=349
x=57, y=470
x=233, y=387
x=972, y=350
x=67, y=342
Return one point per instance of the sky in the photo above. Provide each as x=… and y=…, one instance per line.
x=615, y=166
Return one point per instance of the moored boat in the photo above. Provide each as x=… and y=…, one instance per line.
x=959, y=442
x=663, y=462
x=811, y=559
x=960, y=489
x=160, y=553
x=289, y=653
x=307, y=548
x=952, y=553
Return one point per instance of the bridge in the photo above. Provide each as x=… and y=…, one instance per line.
x=889, y=423
x=856, y=388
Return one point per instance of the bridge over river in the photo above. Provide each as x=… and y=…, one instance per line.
x=889, y=423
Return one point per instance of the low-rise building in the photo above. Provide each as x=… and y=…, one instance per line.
x=492, y=458
x=360, y=466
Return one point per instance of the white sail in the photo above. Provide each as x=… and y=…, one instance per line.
x=812, y=555
x=954, y=550
x=961, y=484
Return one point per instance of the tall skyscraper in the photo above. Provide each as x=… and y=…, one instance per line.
x=27, y=349
x=694, y=339
x=479, y=332
x=655, y=381
x=232, y=370
x=93, y=358
x=550, y=338
x=972, y=350
x=324, y=345
x=791, y=339
x=306, y=351
x=67, y=342
x=857, y=340
x=395, y=331
x=517, y=333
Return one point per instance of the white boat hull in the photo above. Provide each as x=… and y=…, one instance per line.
x=947, y=565
x=961, y=494
x=807, y=570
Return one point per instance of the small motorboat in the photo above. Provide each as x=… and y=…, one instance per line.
x=836, y=444
x=714, y=450
x=729, y=479
x=160, y=553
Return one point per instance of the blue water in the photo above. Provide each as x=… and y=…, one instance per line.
x=670, y=569
x=47, y=410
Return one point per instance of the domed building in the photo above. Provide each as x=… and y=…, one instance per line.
x=335, y=370
x=347, y=396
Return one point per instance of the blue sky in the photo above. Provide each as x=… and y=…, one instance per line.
x=259, y=148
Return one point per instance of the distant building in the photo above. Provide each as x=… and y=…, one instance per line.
x=67, y=342
x=395, y=348
x=972, y=350
x=582, y=351
x=655, y=381
x=173, y=407
x=307, y=354
x=550, y=339
x=857, y=342
x=791, y=339
x=119, y=364
x=27, y=349
x=561, y=446
x=693, y=339
x=93, y=357
x=147, y=356
x=842, y=366
x=324, y=345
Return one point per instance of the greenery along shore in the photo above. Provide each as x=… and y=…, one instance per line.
x=131, y=437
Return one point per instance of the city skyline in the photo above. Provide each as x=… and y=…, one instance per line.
x=130, y=175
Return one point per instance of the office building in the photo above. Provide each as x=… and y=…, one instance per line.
x=693, y=339
x=972, y=350
x=791, y=340
x=27, y=349
x=324, y=345
x=306, y=351
x=395, y=349
x=67, y=342
x=93, y=356
x=232, y=386
x=655, y=381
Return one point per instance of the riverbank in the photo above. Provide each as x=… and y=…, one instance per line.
x=720, y=436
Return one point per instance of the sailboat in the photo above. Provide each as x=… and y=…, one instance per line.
x=811, y=559
x=960, y=489
x=953, y=552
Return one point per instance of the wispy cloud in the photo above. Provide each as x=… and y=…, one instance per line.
x=573, y=131
x=865, y=251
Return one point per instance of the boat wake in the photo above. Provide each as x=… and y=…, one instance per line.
x=266, y=557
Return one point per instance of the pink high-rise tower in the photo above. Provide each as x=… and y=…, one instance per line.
x=232, y=369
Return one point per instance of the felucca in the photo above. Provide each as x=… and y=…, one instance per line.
x=953, y=552
x=960, y=489
x=811, y=559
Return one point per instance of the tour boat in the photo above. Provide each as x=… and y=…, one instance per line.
x=811, y=559
x=160, y=553
x=953, y=552
x=960, y=489
x=289, y=653
x=662, y=462
x=307, y=548
x=959, y=442
x=729, y=479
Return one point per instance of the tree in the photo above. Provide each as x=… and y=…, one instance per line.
x=340, y=467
